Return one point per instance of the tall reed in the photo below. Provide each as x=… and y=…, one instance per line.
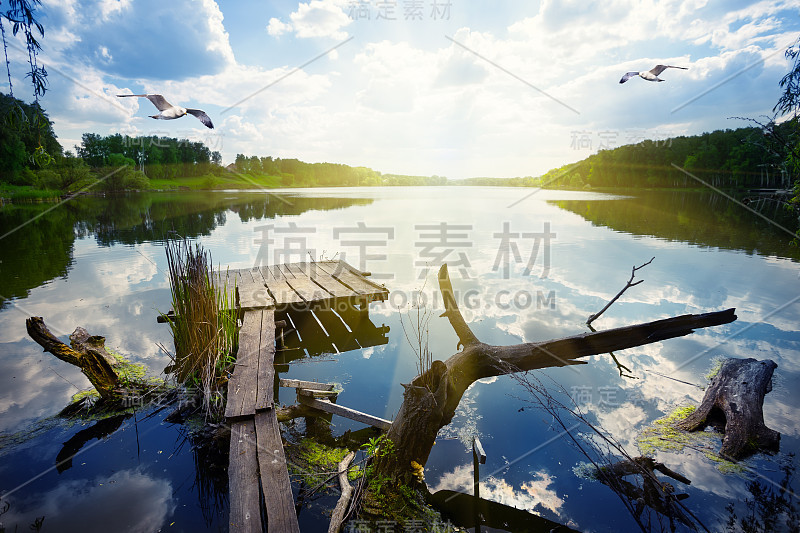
x=418, y=334
x=204, y=325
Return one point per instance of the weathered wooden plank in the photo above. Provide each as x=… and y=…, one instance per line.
x=243, y=384
x=352, y=414
x=350, y=277
x=282, y=293
x=306, y=288
x=253, y=291
x=278, y=500
x=309, y=385
x=318, y=393
x=245, y=510
x=326, y=281
x=266, y=359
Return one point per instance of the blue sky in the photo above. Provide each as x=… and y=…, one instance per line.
x=452, y=88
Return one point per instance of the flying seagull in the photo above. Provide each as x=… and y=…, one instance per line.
x=169, y=111
x=650, y=75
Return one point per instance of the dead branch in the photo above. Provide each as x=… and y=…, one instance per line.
x=627, y=286
x=344, y=500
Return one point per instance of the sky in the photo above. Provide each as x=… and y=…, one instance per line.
x=423, y=87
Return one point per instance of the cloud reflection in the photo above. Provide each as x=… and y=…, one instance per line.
x=531, y=495
x=128, y=500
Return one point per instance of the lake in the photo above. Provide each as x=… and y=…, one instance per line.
x=526, y=264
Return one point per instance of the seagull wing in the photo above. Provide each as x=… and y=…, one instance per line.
x=159, y=101
x=658, y=69
x=628, y=76
x=202, y=116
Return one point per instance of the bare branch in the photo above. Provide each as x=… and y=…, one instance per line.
x=627, y=286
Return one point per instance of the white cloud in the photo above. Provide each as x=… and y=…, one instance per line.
x=276, y=27
x=401, y=103
x=317, y=18
x=108, y=8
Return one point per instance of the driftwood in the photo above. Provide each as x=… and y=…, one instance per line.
x=344, y=500
x=653, y=493
x=88, y=352
x=734, y=402
x=431, y=399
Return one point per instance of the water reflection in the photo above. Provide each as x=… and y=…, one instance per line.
x=99, y=264
x=534, y=494
x=128, y=500
x=38, y=240
x=693, y=217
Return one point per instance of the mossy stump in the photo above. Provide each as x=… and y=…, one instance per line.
x=734, y=403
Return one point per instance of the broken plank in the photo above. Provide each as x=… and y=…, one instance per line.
x=278, y=500
x=245, y=510
x=352, y=414
x=243, y=384
x=309, y=385
x=318, y=393
x=266, y=358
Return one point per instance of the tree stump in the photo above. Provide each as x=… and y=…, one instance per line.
x=88, y=352
x=734, y=402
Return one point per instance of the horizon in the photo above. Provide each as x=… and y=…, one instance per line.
x=445, y=88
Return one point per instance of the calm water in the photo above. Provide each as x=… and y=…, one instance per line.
x=525, y=269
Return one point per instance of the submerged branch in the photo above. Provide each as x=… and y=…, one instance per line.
x=344, y=500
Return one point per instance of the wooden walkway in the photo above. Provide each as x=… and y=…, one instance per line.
x=257, y=468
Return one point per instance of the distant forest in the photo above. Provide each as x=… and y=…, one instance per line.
x=743, y=158
x=32, y=160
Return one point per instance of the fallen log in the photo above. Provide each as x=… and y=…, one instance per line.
x=88, y=352
x=344, y=500
x=431, y=399
x=734, y=403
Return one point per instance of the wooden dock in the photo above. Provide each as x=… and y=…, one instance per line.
x=339, y=295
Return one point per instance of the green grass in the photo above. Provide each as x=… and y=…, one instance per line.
x=26, y=192
x=204, y=328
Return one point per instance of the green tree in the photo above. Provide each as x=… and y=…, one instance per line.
x=20, y=145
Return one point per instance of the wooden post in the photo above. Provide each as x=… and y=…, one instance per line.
x=478, y=458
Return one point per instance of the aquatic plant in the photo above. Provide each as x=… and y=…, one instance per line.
x=662, y=435
x=204, y=322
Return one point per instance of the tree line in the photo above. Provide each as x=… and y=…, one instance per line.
x=296, y=173
x=731, y=158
